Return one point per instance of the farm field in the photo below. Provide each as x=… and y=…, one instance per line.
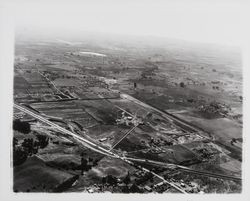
x=100, y=116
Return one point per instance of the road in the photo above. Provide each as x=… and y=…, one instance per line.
x=170, y=118
x=209, y=174
x=186, y=169
x=92, y=145
x=126, y=134
x=52, y=83
x=132, y=115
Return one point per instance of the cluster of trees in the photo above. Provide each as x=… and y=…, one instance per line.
x=160, y=142
x=146, y=177
x=216, y=87
x=111, y=180
x=27, y=148
x=86, y=165
x=132, y=189
x=204, y=153
x=23, y=127
x=30, y=146
x=43, y=141
x=215, y=107
x=19, y=156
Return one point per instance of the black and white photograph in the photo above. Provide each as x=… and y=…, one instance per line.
x=125, y=98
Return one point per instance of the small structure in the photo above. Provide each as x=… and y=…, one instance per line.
x=147, y=188
x=90, y=190
x=103, y=139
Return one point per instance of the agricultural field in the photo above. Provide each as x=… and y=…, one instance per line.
x=94, y=116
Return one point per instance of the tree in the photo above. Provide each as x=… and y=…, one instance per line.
x=104, y=181
x=95, y=162
x=182, y=84
x=233, y=141
x=127, y=179
x=84, y=165
x=135, y=85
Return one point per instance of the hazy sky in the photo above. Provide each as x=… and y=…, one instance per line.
x=203, y=21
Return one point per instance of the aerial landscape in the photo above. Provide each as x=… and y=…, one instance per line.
x=150, y=115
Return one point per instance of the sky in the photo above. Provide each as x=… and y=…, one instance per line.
x=220, y=22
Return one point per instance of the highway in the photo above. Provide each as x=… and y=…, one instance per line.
x=87, y=143
x=92, y=145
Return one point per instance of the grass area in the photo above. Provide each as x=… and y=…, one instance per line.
x=222, y=128
x=115, y=167
x=35, y=176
